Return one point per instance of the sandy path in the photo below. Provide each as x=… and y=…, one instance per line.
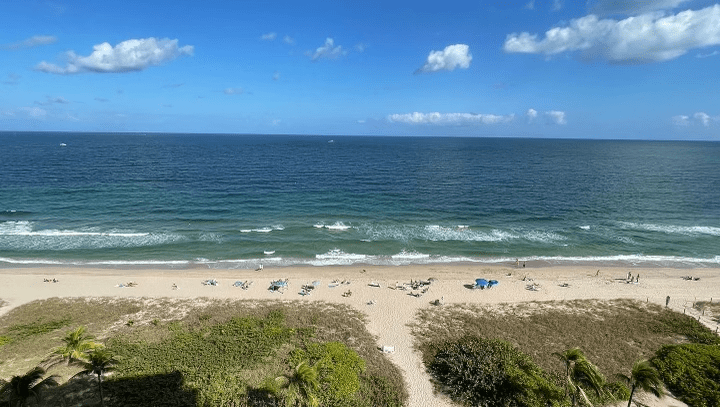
x=389, y=316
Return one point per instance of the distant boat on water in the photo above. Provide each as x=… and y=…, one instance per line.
x=63, y=144
x=331, y=141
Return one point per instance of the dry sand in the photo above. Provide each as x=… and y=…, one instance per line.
x=388, y=310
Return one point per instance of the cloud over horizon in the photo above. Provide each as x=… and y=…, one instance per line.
x=449, y=118
x=127, y=56
x=453, y=56
x=646, y=38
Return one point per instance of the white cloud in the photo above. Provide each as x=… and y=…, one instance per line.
x=288, y=40
x=557, y=5
x=449, y=118
x=556, y=117
x=681, y=120
x=632, y=7
x=453, y=56
x=531, y=114
x=268, y=36
x=127, y=56
x=360, y=47
x=327, y=51
x=33, y=41
x=530, y=5
x=703, y=118
x=651, y=37
x=276, y=75
x=233, y=91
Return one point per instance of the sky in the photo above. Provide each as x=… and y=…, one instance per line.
x=633, y=69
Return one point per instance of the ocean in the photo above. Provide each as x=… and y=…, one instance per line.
x=238, y=201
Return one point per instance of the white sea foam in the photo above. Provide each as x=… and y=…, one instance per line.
x=337, y=226
x=405, y=255
x=585, y=227
x=673, y=229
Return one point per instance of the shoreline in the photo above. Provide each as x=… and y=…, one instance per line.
x=251, y=264
x=389, y=310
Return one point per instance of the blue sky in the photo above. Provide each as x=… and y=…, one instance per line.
x=532, y=68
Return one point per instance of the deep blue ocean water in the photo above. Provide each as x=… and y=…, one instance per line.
x=236, y=201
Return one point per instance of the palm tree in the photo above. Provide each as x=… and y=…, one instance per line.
x=99, y=361
x=20, y=388
x=77, y=345
x=646, y=378
x=579, y=371
x=302, y=385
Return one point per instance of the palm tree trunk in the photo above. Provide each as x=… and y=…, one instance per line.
x=100, y=387
x=631, y=394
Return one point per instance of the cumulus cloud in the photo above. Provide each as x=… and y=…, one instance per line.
x=127, y=56
x=449, y=118
x=233, y=91
x=453, y=56
x=631, y=7
x=327, y=51
x=703, y=118
x=268, y=36
x=556, y=117
x=288, y=40
x=531, y=114
x=33, y=41
x=650, y=37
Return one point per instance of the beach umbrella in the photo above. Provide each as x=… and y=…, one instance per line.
x=481, y=282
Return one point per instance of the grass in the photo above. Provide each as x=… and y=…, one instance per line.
x=207, y=351
x=613, y=334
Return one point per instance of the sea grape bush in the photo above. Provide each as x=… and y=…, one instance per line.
x=476, y=371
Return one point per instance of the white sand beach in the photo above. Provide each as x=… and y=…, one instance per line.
x=388, y=309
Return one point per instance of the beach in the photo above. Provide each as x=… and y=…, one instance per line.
x=377, y=291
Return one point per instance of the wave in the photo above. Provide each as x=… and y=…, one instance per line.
x=265, y=229
x=22, y=235
x=673, y=229
x=460, y=233
x=337, y=226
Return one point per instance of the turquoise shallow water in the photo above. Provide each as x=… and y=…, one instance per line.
x=232, y=201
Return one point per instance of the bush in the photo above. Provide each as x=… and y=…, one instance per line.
x=691, y=372
x=484, y=372
x=339, y=369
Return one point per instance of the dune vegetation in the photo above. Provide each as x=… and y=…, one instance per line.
x=206, y=353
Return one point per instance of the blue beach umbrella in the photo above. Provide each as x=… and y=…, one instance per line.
x=481, y=282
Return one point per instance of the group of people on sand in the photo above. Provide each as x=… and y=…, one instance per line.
x=47, y=280
x=630, y=279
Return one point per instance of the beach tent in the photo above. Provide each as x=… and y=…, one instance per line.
x=481, y=283
x=492, y=283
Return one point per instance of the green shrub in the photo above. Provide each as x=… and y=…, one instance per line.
x=37, y=328
x=483, y=372
x=691, y=372
x=339, y=369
